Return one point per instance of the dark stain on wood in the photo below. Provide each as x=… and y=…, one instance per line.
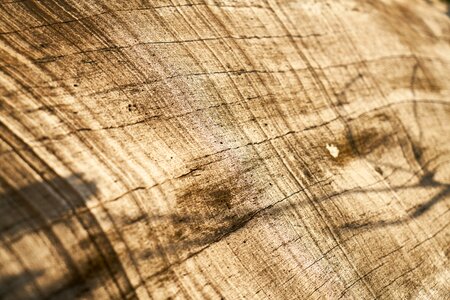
x=206, y=199
x=379, y=170
x=205, y=212
x=371, y=135
x=222, y=196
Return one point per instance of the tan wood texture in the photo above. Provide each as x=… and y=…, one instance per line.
x=224, y=149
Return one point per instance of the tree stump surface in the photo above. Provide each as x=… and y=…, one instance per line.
x=220, y=149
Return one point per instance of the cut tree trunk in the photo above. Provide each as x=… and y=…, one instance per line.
x=224, y=149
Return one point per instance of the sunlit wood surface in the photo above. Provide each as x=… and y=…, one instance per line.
x=220, y=149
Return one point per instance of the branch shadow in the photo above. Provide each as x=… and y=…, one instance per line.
x=33, y=211
x=205, y=216
x=426, y=181
x=40, y=205
x=18, y=283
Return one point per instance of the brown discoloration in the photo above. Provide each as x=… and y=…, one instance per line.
x=222, y=196
x=206, y=199
x=371, y=135
x=379, y=170
x=202, y=212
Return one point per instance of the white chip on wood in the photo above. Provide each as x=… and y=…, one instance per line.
x=334, y=151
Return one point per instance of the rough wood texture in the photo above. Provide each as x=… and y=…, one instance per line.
x=178, y=149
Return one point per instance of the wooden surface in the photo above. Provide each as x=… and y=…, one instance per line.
x=220, y=149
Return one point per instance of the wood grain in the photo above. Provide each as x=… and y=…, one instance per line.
x=177, y=149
